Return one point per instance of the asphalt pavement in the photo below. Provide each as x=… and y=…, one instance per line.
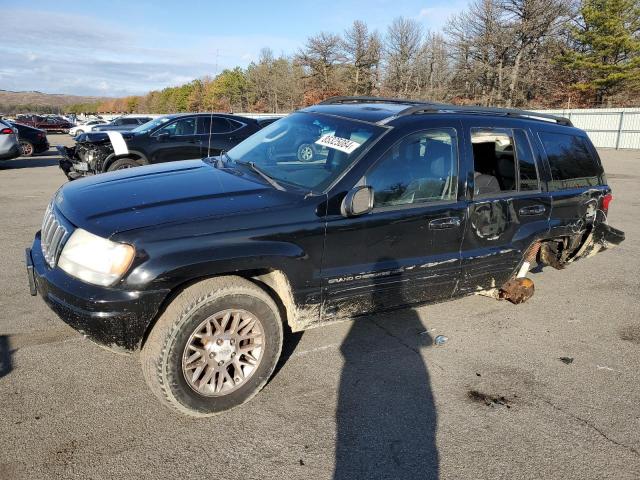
x=547, y=389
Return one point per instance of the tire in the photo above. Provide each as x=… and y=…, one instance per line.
x=164, y=356
x=305, y=152
x=122, y=163
x=26, y=148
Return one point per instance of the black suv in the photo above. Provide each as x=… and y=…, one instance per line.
x=165, y=139
x=200, y=263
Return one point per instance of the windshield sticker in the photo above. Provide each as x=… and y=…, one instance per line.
x=343, y=144
x=119, y=145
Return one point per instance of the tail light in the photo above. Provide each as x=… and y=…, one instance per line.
x=6, y=131
x=606, y=200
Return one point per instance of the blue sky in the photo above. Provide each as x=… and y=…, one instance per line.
x=116, y=48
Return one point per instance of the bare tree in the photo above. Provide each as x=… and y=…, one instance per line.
x=322, y=57
x=401, y=50
x=361, y=51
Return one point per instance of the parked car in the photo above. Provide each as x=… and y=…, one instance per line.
x=120, y=124
x=165, y=139
x=85, y=127
x=32, y=140
x=49, y=124
x=9, y=145
x=198, y=264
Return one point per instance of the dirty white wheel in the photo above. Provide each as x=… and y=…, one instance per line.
x=214, y=347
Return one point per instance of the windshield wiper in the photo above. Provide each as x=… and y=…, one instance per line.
x=264, y=175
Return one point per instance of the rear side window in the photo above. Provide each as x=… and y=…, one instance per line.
x=503, y=161
x=571, y=161
x=220, y=125
x=129, y=121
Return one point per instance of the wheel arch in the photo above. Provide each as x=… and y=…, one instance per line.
x=133, y=154
x=274, y=282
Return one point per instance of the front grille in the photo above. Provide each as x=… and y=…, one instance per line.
x=52, y=236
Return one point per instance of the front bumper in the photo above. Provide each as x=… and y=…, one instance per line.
x=117, y=319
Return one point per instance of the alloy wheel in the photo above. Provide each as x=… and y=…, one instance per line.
x=223, y=352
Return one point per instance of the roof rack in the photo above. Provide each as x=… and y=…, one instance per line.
x=337, y=100
x=419, y=106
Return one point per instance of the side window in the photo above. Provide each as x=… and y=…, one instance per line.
x=494, y=162
x=422, y=167
x=528, y=172
x=571, y=161
x=184, y=126
x=220, y=125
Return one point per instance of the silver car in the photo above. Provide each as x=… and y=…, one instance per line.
x=9, y=144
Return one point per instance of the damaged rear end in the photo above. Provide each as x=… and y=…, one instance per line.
x=87, y=156
x=585, y=237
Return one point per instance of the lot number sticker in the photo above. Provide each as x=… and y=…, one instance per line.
x=338, y=143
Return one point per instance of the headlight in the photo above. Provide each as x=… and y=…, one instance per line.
x=95, y=259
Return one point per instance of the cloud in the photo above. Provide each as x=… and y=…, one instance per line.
x=436, y=17
x=77, y=54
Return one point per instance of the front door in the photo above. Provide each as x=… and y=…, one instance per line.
x=407, y=250
x=509, y=209
x=175, y=141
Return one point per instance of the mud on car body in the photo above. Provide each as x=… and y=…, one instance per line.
x=199, y=264
x=164, y=139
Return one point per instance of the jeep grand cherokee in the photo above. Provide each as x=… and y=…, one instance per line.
x=198, y=264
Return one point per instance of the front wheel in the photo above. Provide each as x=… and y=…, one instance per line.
x=122, y=163
x=305, y=152
x=214, y=347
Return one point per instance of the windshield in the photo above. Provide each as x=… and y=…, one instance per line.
x=306, y=149
x=151, y=124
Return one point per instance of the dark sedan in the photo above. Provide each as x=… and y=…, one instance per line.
x=172, y=137
x=32, y=140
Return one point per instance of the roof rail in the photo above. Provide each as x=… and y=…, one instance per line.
x=478, y=110
x=338, y=100
x=421, y=106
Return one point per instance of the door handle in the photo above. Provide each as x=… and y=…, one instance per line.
x=532, y=210
x=442, y=223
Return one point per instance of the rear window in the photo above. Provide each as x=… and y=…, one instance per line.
x=571, y=160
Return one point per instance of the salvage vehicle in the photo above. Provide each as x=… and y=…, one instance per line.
x=9, y=143
x=199, y=265
x=165, y=139
x=120, y=124
x=32, y=140
x=85, y=127
x=50, y=124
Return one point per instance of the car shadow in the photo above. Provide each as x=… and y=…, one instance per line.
x=29, y=162
x=6, y=364
x=386, y=416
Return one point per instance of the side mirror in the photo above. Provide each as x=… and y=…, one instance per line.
x=163, y=136
x=358, y=201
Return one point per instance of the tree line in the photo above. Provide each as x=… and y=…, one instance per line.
x=512, y=53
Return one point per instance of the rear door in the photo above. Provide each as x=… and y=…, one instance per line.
x=509, y=207
x=407, y=250
x=219, y=134
x=576, y=182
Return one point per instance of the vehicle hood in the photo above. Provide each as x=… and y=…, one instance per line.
x=101, y=137
x=166, y=193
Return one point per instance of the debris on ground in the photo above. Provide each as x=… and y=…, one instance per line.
x=517, y=290
x=566, y=360
x=440, y=340
x=630, y=333
x=488, y=400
